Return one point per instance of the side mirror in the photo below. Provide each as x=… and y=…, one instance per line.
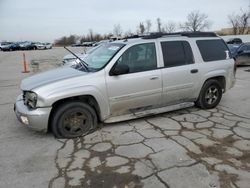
x=119, y=69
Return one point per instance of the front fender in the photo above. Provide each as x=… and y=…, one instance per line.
x=62, y=93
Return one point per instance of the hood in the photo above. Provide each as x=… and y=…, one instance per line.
x=49, y=77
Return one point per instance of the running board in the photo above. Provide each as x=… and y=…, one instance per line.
x=148, y=112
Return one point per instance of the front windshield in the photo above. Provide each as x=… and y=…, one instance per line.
x=102, y=55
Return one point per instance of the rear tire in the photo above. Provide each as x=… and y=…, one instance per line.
x=73, y=119
x=210, y=95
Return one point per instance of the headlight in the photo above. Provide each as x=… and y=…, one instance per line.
x=30, y=99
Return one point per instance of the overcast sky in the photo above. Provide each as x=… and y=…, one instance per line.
x=47, y=20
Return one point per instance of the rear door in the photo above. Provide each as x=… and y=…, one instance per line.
x=180, y=74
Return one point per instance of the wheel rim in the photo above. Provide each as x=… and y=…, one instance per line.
x=212, y=95
x=76, y=123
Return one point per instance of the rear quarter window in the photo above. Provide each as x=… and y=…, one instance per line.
x=213, y=50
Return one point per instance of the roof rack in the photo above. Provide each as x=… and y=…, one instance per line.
x=186, y=34
x=132, y=37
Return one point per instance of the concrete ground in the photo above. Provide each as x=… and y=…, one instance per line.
x=189, y=148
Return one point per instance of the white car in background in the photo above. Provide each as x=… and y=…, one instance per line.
x=101, y=42
x=43, y=46
x=48, y=45
x=70, y=59
x=40, y=46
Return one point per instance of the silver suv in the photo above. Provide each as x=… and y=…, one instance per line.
x=128, y=79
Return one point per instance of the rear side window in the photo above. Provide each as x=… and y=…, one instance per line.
x=176, y=53
x=213, y=50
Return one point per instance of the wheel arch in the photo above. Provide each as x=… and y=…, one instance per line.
x=88, y=99
x=221, y=79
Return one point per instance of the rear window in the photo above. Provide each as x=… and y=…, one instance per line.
x=213, y=50
x=176, y=53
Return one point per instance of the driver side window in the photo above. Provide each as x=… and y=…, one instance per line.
x=138, y=58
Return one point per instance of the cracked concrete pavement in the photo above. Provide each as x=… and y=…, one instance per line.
x=185, y=148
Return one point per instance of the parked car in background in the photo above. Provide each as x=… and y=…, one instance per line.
x=242, y=54
x=43, y=46
x=234, y=41
x=28, y=46
x=48, y=45
x=9, y=46
x=70, y=59
x=128, y=79
x=2, y=44
x=40, y=46
x=5, y=45
x=88, y=44
x=233, y=48
x=101, y=42
x=76, y=45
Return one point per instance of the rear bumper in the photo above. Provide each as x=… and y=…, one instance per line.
x=36, y=119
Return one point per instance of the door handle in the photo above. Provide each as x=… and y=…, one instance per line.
x=154, y=78
x=194, y=71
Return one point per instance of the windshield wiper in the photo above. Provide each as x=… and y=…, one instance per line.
x=83, y=63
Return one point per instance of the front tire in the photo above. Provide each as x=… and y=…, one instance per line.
x=73, y=119
x=210, y=95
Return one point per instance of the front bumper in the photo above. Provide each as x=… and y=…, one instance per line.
x=36, y=119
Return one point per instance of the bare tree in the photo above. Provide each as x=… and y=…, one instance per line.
x=234, y=22
x=66, y=40
x=158, y=22
x=196, y=21
x=244, y=23
x=128, y=33
x=141, y=28
x=240, y=23
x=91, y=35
x=71, y=39
x=148, y=26
x=170, y=27
x=117, y=31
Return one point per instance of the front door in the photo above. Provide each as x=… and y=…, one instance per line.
x=141, y=87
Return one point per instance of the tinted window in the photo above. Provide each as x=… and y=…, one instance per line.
x=212, y=50
x=176, y=53
x=139, y=58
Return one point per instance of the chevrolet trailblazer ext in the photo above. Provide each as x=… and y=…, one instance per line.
x=128, y=79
